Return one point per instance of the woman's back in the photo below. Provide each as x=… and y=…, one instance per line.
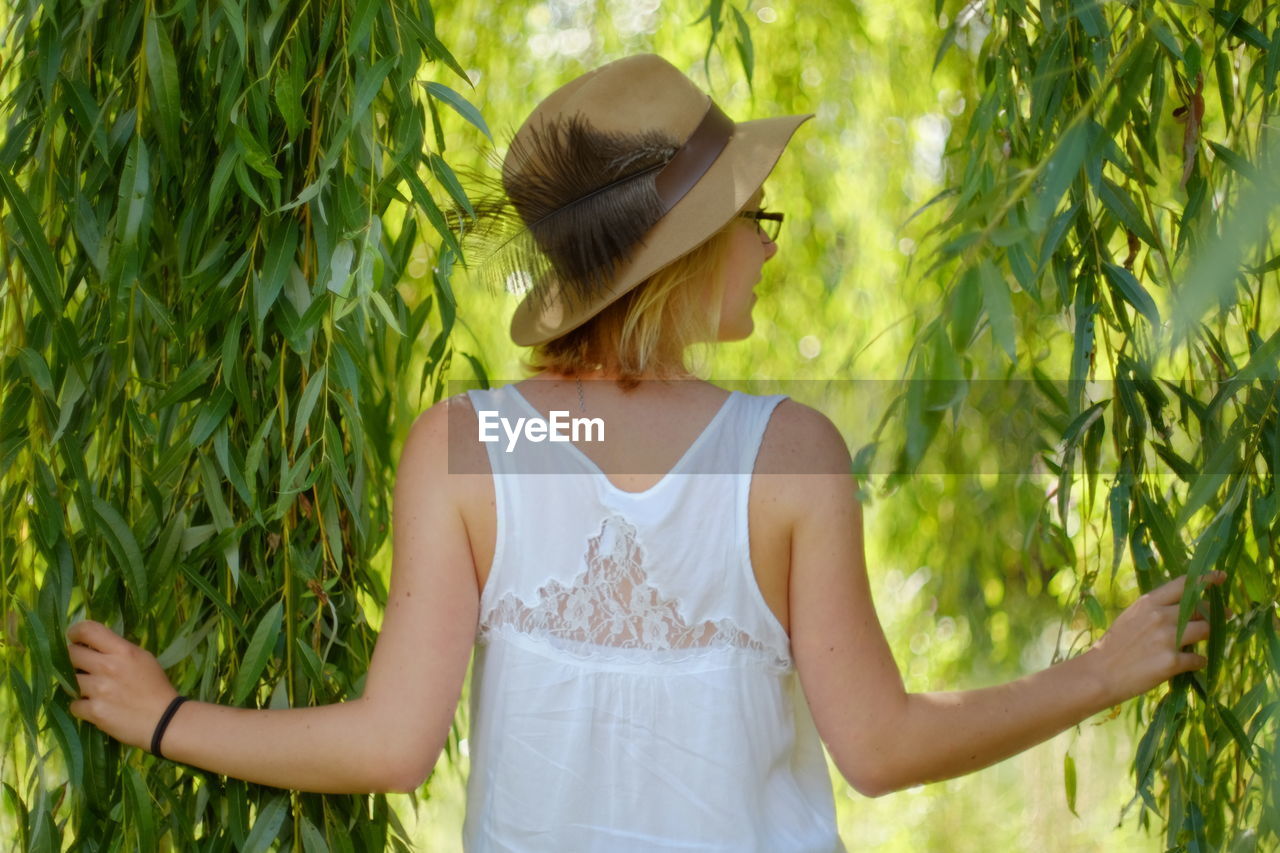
x=633, y=688
x=648, y=429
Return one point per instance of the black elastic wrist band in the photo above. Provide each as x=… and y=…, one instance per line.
x=164, y=723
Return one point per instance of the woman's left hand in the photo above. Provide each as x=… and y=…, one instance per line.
x=123, y=689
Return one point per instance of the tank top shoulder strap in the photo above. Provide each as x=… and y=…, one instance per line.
x=499, y=411
x=753, y=417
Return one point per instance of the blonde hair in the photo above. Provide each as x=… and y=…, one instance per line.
x=648, y=329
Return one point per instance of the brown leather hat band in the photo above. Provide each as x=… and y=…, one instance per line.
x=695, y=157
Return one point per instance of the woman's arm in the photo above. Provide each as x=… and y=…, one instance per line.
x=881, y=737
x=389, y=738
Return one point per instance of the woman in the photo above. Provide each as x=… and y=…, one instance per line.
x=657, y=655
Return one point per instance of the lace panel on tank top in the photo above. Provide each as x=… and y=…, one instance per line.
x=612, y=606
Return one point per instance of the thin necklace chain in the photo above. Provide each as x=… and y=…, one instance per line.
x=581, y=402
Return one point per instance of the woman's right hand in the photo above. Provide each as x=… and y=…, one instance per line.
x=1140, y=650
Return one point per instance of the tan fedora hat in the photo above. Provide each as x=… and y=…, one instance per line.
x=692, y=188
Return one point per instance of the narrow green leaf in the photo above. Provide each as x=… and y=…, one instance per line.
x=1069, y=781
x=212, y=412
x=965, y=308
x=34, y=366
x=433, y=47
x=999, y=304
x=34, y=248
x=1081, y=342
x=1133, y=292
x=460, y=104
x=213, y=495
x=234, y=15
x=746, y=50
x=1209, y=547
x=121, y=542
x=432, y=211
x=1064, y=165
x=307, y=404
x=255, y=154
x=64, y=732
x=187, y=385
x=288, y=91
x=275, y=266
x=1119, y=504
x=340, y=268
x=445, y=175
x=1237, y=164
x=162, y=70
x=1240, y=27
x=1237, y=731
x=312, y=840
x=258, y=653
x=140, y=801
x=1093, y=610
x=1122, y=207
x=18, y=808
x=385, y=310
x=1220, y=464
x=267, y=825
x=135, y=193
x=229, y=159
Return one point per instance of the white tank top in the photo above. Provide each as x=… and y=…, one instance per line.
x=631, y=689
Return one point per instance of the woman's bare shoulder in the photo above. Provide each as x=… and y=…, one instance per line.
x=801, y=440
x=443, y=438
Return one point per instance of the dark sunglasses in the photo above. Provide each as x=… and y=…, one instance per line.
x=767, y=223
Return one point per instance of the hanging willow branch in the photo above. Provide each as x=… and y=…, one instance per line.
x=202, y=339
x=1118, y=178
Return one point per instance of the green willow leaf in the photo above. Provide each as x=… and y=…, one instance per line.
x=18, y=808
x=135, y=191
x=432, y=211
x=255, y=154
x=1123, y=208
x=1062, y=169
x=1069, y=781
x=340, y=268
x=460, y=104
x=380, y=303
x=162, y=70
x=1237, y=164
x=188, y=385
x=267, y=826
x=124, y=546
x=999, y=305
x=1081, y=343
x=139, y=799
x=34, y=365
x=1133, y=292
x=65, y=733
x=1209, y=548
x=275, y=266
x=306, y=405
x=746, y=50
x=1093, y=610
x=37, y=257
x=1119, y=506
x=445, y=175
x=261, y=647
x=312, y=840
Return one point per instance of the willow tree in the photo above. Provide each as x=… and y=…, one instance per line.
x=1106, y=246
x=206, y=208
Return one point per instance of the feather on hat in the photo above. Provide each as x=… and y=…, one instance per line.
x=615, y=175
